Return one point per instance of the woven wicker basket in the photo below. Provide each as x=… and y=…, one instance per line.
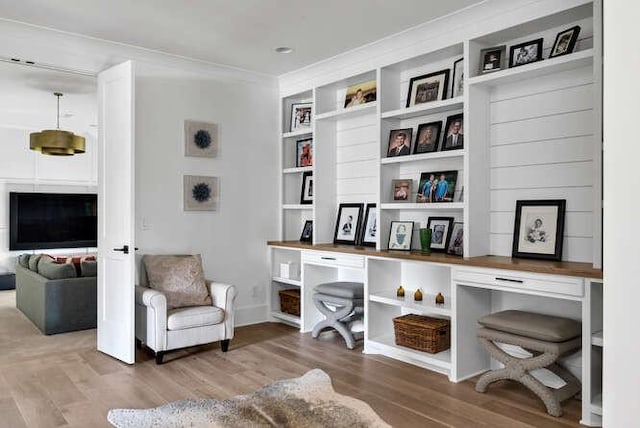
x=290, y=301
x=425, y=334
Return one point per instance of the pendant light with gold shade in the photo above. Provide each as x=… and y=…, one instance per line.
x=57, y=142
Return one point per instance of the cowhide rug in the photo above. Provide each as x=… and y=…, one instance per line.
x=307, y=401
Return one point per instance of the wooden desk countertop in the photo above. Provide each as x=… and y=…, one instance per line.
x=585, y=270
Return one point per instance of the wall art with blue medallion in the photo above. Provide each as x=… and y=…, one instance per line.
x=200, y=193
x=200, y=139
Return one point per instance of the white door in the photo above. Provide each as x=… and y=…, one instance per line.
x=116, y=276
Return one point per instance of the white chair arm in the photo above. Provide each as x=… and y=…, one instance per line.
x=151, y=325
x=224, y=297
x=149, y=297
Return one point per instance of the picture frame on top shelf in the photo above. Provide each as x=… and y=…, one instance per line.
x=565, y=42
x=307, y=231
x=401, y=190
x=428, y=87
x=369, y=227
x=440, y=232
x=456, y=243
x=437, y=186
x=457, y=85
x=400, y=142
x=453, y=138
x=301, y=116
x=427, y=137
x=492, y=59
x=304, y=152
x=400, y=235
x=361, y=93
x=538, y=229
x=200, y=139
x=525, y=53
x=348, y=224
x=306, y=191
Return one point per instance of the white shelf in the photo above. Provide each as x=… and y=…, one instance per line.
x=426, y=306
x=297, y=133
x=297, y=207
x=297, y=170
x=288, y=281
x=445, y=206
x=423, y=156
x=348, y=112
x=425, y=109
x=596, y=404
x=536, y=69
x=292, y=319
x=596, y=339
x=387, y=345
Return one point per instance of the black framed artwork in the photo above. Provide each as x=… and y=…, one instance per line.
x=348, y=224
x=400, y=235
x=538, y=229
x=369, y=227
x=427, y=137
x=300, y=116
x=306, y=192
x=400, y=142
x=492, y=59
x=440, y=232
x=307, y=231
x=525, y=53
x=565, y=42
x=453, y=133
x=428, y=87
x=457, y=87
x=456, y=243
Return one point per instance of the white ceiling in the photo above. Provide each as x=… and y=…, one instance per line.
x=240, y=33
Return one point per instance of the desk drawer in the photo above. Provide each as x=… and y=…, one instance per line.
x=556, y=284
x=333, y=259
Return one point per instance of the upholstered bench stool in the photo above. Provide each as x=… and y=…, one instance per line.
x=546, y=337
x=341, y=303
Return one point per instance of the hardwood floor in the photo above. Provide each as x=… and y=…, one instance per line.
x=62, y=381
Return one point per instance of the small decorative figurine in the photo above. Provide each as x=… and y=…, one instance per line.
x=400, y=292
x=417, y=296
x=439, y=299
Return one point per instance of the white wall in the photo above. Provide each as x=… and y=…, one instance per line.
x=232, y=240
x=621, y=207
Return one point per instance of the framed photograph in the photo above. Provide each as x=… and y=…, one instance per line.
x=456, y=242
x=401, y=190
x=492, y=59
x=428, y=87
x=348, y=224
x=525, y=53
x=457, y=87
x=400, y=235
x=301, y=116
x=427, y=137
x=400, y=142
x=440, y=232
x=437, y=186
x=304, y=152
x=199, y=193
x=454, y=133
x=200, y=139
x=538, y=229
x=306, y=193
x=361, y=93
x=307, y=231
x=565, y=42
x=369, y=227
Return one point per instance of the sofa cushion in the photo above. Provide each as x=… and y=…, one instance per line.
x=76, y=261
x=196, y=316
x=23, y=260
x=533, y=325
x=48, y=268
x=179, y=278
x=88, y=268
x=33, y=262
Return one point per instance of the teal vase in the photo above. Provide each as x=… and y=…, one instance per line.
x=425, y=240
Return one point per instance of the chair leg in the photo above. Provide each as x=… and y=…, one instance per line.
x=159, y=357
x=224, y=345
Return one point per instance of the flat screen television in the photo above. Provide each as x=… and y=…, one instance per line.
x=52, y=220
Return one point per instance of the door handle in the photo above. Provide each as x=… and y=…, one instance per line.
x=124, y=249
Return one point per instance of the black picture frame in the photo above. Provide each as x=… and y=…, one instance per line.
x=428, y=191
x=456, y=242
x=453, y=144
x=422, y=89
x=440, y=233
x=457, y=81
x=533, y=237
x=565, y=42
x=306, y=189
x=525, y=53
x=400, y=240
x=307, y=231
x=492, y=59
x=406, y=147
x=304, y=159
x=369, y=230
x=431, y=145
x=301, y=116
x=348, y=235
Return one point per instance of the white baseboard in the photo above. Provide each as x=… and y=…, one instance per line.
x=248, y=315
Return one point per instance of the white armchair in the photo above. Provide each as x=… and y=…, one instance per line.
x=163, y=330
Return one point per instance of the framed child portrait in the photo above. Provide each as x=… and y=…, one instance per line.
x=440, y=232
x=369, y=227
x=348, y=224
x=400, y=235
x=304, y=152
x=538, y=229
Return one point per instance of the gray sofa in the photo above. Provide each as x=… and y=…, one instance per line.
x=56, y=305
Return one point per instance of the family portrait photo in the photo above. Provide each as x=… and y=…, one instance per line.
x=348, y=224
x=428, y=87
x=525, y=53
x=440, y=232
x=401, y=190
x=400, y=142
x=361, y=93
x=304, y=152
x=492, y=59
x=437, y=186
x=538, y=229
x=400, y=235
x=300, y=116
x=454, y=133
x=428, y=136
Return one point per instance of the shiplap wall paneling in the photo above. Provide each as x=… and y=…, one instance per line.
x=324, y=181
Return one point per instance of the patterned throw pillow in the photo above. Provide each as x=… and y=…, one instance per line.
x=179, y=278
x=76, y=261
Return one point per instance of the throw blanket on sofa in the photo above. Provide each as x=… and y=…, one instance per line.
x=307, y=401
